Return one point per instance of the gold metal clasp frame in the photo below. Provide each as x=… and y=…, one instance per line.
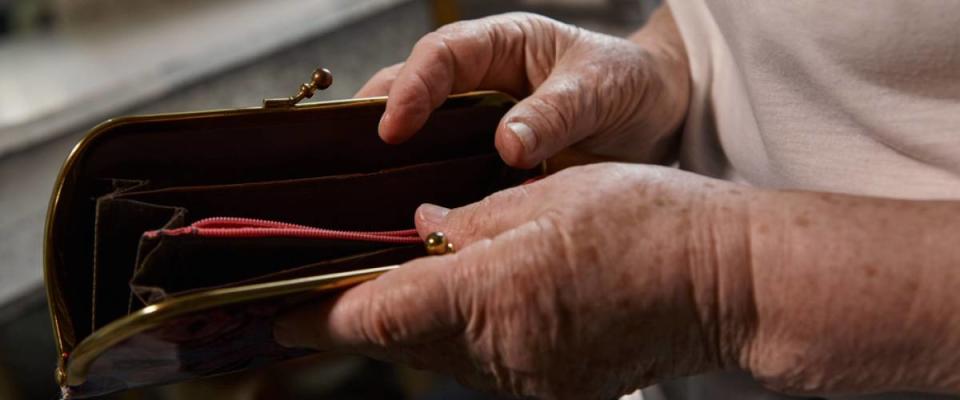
x=321, y=79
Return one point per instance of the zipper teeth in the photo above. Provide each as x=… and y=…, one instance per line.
x=303, y=233
x=239, y=222
x=236, y=227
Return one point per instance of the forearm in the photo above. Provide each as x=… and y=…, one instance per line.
x=854, y=294
x=661, y=37
x=668, y=96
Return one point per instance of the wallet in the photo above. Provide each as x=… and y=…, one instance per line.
x=173, y=241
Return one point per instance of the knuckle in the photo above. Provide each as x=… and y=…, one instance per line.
x=466, y=222
x=436, y=63
x=454, y=29
x=426, y=84
x=528, y=19
x=504, y=27
x=467, y=276
x=436, y=46
x=790, y=375
x=380, y=327
x=551, y=115
x=537, y=25
x=464, y=285
x=557, y=235
x=472, y=220
x=511, y=196
x=389, y=72
x=383, y=77
x=550, y=224
x=603, y=173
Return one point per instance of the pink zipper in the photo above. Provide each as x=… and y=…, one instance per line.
x=234, y=227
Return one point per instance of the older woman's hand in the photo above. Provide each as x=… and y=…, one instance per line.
x=610, y=96
x=588, y=284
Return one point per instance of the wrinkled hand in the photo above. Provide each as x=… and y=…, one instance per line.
x=587, y=284
x=609, y=96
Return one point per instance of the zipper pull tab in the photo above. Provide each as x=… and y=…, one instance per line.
x=437, y=244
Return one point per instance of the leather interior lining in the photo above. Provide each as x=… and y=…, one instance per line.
x=381, y=200
x=184, y=264
x=172, y=265
x=288, y=148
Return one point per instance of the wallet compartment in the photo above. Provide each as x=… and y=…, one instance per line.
x=170, y=266
x=186, y=264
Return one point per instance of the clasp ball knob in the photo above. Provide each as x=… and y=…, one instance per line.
x=322, y=78
x=437, y=244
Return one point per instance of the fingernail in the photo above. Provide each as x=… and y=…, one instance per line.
x=433, y=214
x=383, y=119
x=526, y=136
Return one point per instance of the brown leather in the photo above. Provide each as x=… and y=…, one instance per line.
x=202, y=153
x=185, y=264
x=119, y=224
x=376, y=201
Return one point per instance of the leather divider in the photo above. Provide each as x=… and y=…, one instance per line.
x=180, y=265
x=299, y=145
x=120, y=222
x=377, y=201
x=234, y=147
x=383, y=200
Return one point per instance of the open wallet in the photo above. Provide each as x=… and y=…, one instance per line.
x=173, y=241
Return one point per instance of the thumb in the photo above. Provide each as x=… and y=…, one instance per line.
x=402, y=307
x=499, y=212
x=554, y=117
x=422, y=301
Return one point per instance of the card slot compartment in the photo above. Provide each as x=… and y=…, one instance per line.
x=379, y=201
x=119, y=224
x=178, y=265
x=383, y=200
x=302, y=144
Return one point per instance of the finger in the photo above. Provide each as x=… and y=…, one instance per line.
x=484, y=219
x=402, y=307
x=408, y=293
x=379, y=84
x=428, y=300
x=558, y=114
x=457, y=58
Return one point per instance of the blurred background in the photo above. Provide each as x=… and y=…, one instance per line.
x=66, y=65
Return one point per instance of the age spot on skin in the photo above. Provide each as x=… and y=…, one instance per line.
x=912, y=286
x=802, y=221
x=870, y=270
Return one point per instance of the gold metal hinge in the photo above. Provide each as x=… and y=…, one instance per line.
x=321, y=79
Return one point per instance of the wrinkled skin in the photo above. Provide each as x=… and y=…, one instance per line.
x=601, y=279
x=543, y=294
x=552, y=295
x=606, y=95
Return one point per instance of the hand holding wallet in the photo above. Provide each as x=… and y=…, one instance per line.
x=173, y=240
